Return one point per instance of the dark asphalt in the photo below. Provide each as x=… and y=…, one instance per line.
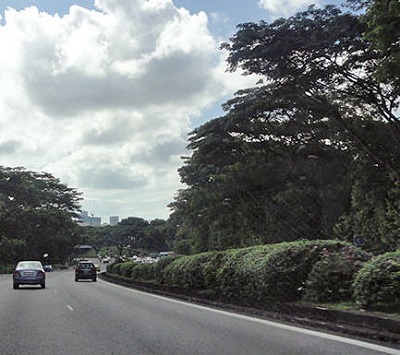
x=99, y=318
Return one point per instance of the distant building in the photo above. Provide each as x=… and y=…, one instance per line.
x=87, y=220
x=114, y=220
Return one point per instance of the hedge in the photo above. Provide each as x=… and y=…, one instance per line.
x=126, y=268
x=187, y=273
x=319, y=270
x=239, y=269
x=331, y=278
x=377, y=285
x=144, y=272
x=284, y=271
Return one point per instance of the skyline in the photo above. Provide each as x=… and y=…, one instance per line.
x=102, y=94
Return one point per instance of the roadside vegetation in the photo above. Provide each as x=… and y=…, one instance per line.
x=37, y=216
x=316, y=272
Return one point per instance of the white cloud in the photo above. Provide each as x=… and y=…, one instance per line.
x=283, y=8
x=103, y=99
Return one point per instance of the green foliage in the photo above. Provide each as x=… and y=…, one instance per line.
x=382, y=19
x=11, y=249
x=115, y=268
x=210, y=271
x=238, y=271
x=6, y=269
x=320, y=270
x=182, y=247
x=286, y=268
x=279, y=165
x=132, y=234
x=126, y=268
x=259, y=274
x=161, y=265
x=144, y=272
x=377, y=285
x=375, y=210
x=37, y=215
x=331, y=278
x=186, y=273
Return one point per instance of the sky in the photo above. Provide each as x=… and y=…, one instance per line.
x=103, y=93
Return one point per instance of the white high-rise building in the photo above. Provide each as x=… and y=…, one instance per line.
x=87, y=220
x=114, y=220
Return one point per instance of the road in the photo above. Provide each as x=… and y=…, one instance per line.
x=86, y=318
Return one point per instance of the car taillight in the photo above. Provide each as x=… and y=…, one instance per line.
x=16, y=273
x=40, y=273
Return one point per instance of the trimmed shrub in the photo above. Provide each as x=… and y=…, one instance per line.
x=331, y=278
x=126, y=268
x=109, y=268
x=238, y=269
x=114, y=268
x=377, y=284
x=210, y=270
x=285, y=269
x=161, y=265
x=254, y=275
x=187, y=273
x=144, y=272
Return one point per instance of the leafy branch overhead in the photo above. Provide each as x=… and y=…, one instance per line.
x=320, y=62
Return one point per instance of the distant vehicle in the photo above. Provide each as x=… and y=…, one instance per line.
x=149, y=260
x=48, y=268
x=85, y=270
x=106, y=259
x=166, y=253
x=29, y=273
x=64, y=266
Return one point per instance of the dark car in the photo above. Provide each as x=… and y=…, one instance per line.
x=29, y=273
x=64, y=266
x=85, y=270
x=48, y=268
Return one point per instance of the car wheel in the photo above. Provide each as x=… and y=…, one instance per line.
x=15, y=286
x=94, y=279
x=42, y=285
x=76, y=279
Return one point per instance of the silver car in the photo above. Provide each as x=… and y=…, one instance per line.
x=29, y=273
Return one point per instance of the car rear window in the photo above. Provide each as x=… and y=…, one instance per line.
x=86, y=265
x=29, y=265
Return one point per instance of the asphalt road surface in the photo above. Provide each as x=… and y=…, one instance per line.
x=85, y=318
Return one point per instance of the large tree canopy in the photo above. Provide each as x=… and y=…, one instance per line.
x=294, y=156
x=37, y=215
x=318, y=60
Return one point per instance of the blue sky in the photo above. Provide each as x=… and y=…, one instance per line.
x=102, y=94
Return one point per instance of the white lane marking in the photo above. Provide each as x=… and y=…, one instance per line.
x=291, y=328
x=70, y=308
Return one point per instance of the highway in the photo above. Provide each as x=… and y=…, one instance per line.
x=86, y=318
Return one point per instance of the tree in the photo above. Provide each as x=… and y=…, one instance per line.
x=319, y=61
x=133, y=234
x=382, y=18
x=37, y=214
x=255, y=179
x=277, y=165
